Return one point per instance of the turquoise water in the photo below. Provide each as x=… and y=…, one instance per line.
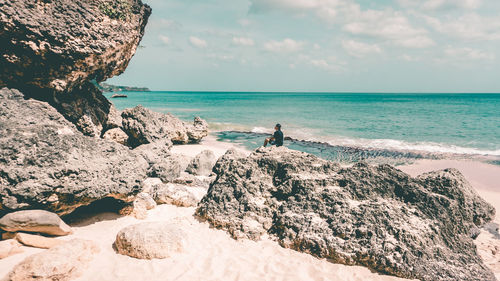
x=443, y=123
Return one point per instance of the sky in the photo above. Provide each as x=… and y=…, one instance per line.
x=319, y=46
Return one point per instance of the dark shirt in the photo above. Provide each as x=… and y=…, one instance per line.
x=278, y=138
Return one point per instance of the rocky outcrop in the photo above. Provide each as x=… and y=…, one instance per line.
x=35, y=221
x=45, y=163
x=64, y=262
x=375, y=216
x=145, y=126
x=150, y=240
x=202, y=163
x=53, y=49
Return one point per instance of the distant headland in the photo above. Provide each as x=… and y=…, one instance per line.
x=105, y=87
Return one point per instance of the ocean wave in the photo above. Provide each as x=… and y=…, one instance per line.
x=311, y=135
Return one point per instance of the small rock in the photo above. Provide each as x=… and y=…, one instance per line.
x=155, y=152
x=37, y=241
x=66, y=261
x=166, y=170
x=116, y=135
x=9, y=247
x=179, y=195
x=35, y=221
x=141, y=204
x=202, y=164
x=151, y=240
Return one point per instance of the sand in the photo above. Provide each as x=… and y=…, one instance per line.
x=212, y=254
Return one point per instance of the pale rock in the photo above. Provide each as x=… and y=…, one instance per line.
x=37, y=241
x=116, y=135
x=9, y=247
x=151, y=240
x=202, y=163
x=64, y=262
x=35, y=221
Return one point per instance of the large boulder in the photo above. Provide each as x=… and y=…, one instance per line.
x=151, y=240
x=64, y=262
x=35, y=221
x=45, y=163
x=51, y=50
x=375, y=216
x=145, y=126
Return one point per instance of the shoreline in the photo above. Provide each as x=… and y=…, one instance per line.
x=213, y=255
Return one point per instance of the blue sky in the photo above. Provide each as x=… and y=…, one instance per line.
x=319, y=45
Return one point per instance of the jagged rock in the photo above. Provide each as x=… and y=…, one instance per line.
x=145, y=126
x=51, y=50
x=35, y=221
x=8, y=235
x=202, y=163
x=66, y=261
x=37, y=241
x=375, y=216
x=45, y=163
x=9, y=248
x=116, y=135
x=151, y=240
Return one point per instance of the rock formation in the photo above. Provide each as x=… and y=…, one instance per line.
x=375, y=216
x=45, y=163
x=35, y=221
x=150, y=240
x=64, y=262
x=145, y=126
x=52, y=50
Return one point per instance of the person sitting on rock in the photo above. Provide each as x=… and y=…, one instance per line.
x=277, y=138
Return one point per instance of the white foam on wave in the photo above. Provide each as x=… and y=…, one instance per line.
x=313, y=135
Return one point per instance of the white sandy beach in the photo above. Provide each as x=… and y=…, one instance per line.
x=212, y=254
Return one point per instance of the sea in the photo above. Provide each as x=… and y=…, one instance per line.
x=394, y=128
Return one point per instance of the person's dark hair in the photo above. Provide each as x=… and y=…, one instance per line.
x=278, y=125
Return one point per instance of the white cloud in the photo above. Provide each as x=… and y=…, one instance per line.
x=388, y=25
x=468, y=54
x=406, y=57
x=164, y=39
x=243, y=41
x=468, y=27
x=287, y=45
x=384, y=24
x=198, y=42
x=244, y=22
x=442, y=4
x=359, y=49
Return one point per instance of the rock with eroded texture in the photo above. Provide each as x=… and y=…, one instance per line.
x=52, y=50
x=64, y=262
x=151, y=240
x=202, y=163
x=35, y=221
x=375, y=216
x=45, y=163
x=145, y=126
